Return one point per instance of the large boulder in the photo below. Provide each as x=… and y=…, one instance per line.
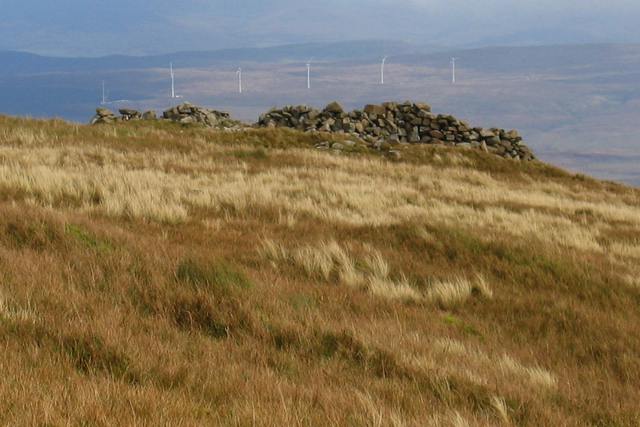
x=149, y=115
x=376, y=110
x=334, y=108
x=103, y=116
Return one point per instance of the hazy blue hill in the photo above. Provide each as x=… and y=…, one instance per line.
x=530, y=59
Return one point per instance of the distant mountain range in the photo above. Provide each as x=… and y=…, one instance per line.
x=498, y=58
x=27, y=63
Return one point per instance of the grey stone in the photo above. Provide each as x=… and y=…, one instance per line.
x=486, y=134
x=436, y=134
x=149, y=115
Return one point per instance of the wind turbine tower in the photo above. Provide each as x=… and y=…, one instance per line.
x=384, y=61
x=104, y=95
x=173, y=81
x=309, y=74
x=453, y=70
x=239, y=74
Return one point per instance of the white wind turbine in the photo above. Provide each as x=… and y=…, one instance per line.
x=384, y=61
x=104, y=95
x=309, y=73
x=239, y=74
x=453, y=70
x=173, y=81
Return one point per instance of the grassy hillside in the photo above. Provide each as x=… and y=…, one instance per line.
x=159, y=275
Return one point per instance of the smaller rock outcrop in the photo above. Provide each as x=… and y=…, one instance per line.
x=191, y=114
x=185, y=113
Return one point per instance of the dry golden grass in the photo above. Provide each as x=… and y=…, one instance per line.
x=165, y=275
x=457, y=290
x=326, y=260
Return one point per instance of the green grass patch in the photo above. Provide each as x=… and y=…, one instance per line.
x=345, y=346
x=461, y=325
x=218, y=275
x=196, y=313
x=34, y=235
x=303, y=302
x=255, y=154
x=91, y=356
x=87, y=239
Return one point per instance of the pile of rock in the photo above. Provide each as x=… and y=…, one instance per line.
x=127, y=114
x=185, y=113
x=399, y=123
x=104, y=116
x=191, y=114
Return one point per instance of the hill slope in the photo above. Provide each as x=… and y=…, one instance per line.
x=164, y=275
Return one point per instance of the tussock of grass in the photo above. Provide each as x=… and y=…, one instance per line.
x=501, y=368
x=12, y=312
x=196, y=313
x=91, y=356
x=502, y=410
x=329, y=259
x=632, y=280
x=394, y=290
x=457, y=290
x=535, y=375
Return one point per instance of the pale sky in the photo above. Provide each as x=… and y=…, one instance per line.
x=82, y=27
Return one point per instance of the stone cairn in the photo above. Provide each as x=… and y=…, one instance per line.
x=185, y=113
x=380, y=127
x=393, y=123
